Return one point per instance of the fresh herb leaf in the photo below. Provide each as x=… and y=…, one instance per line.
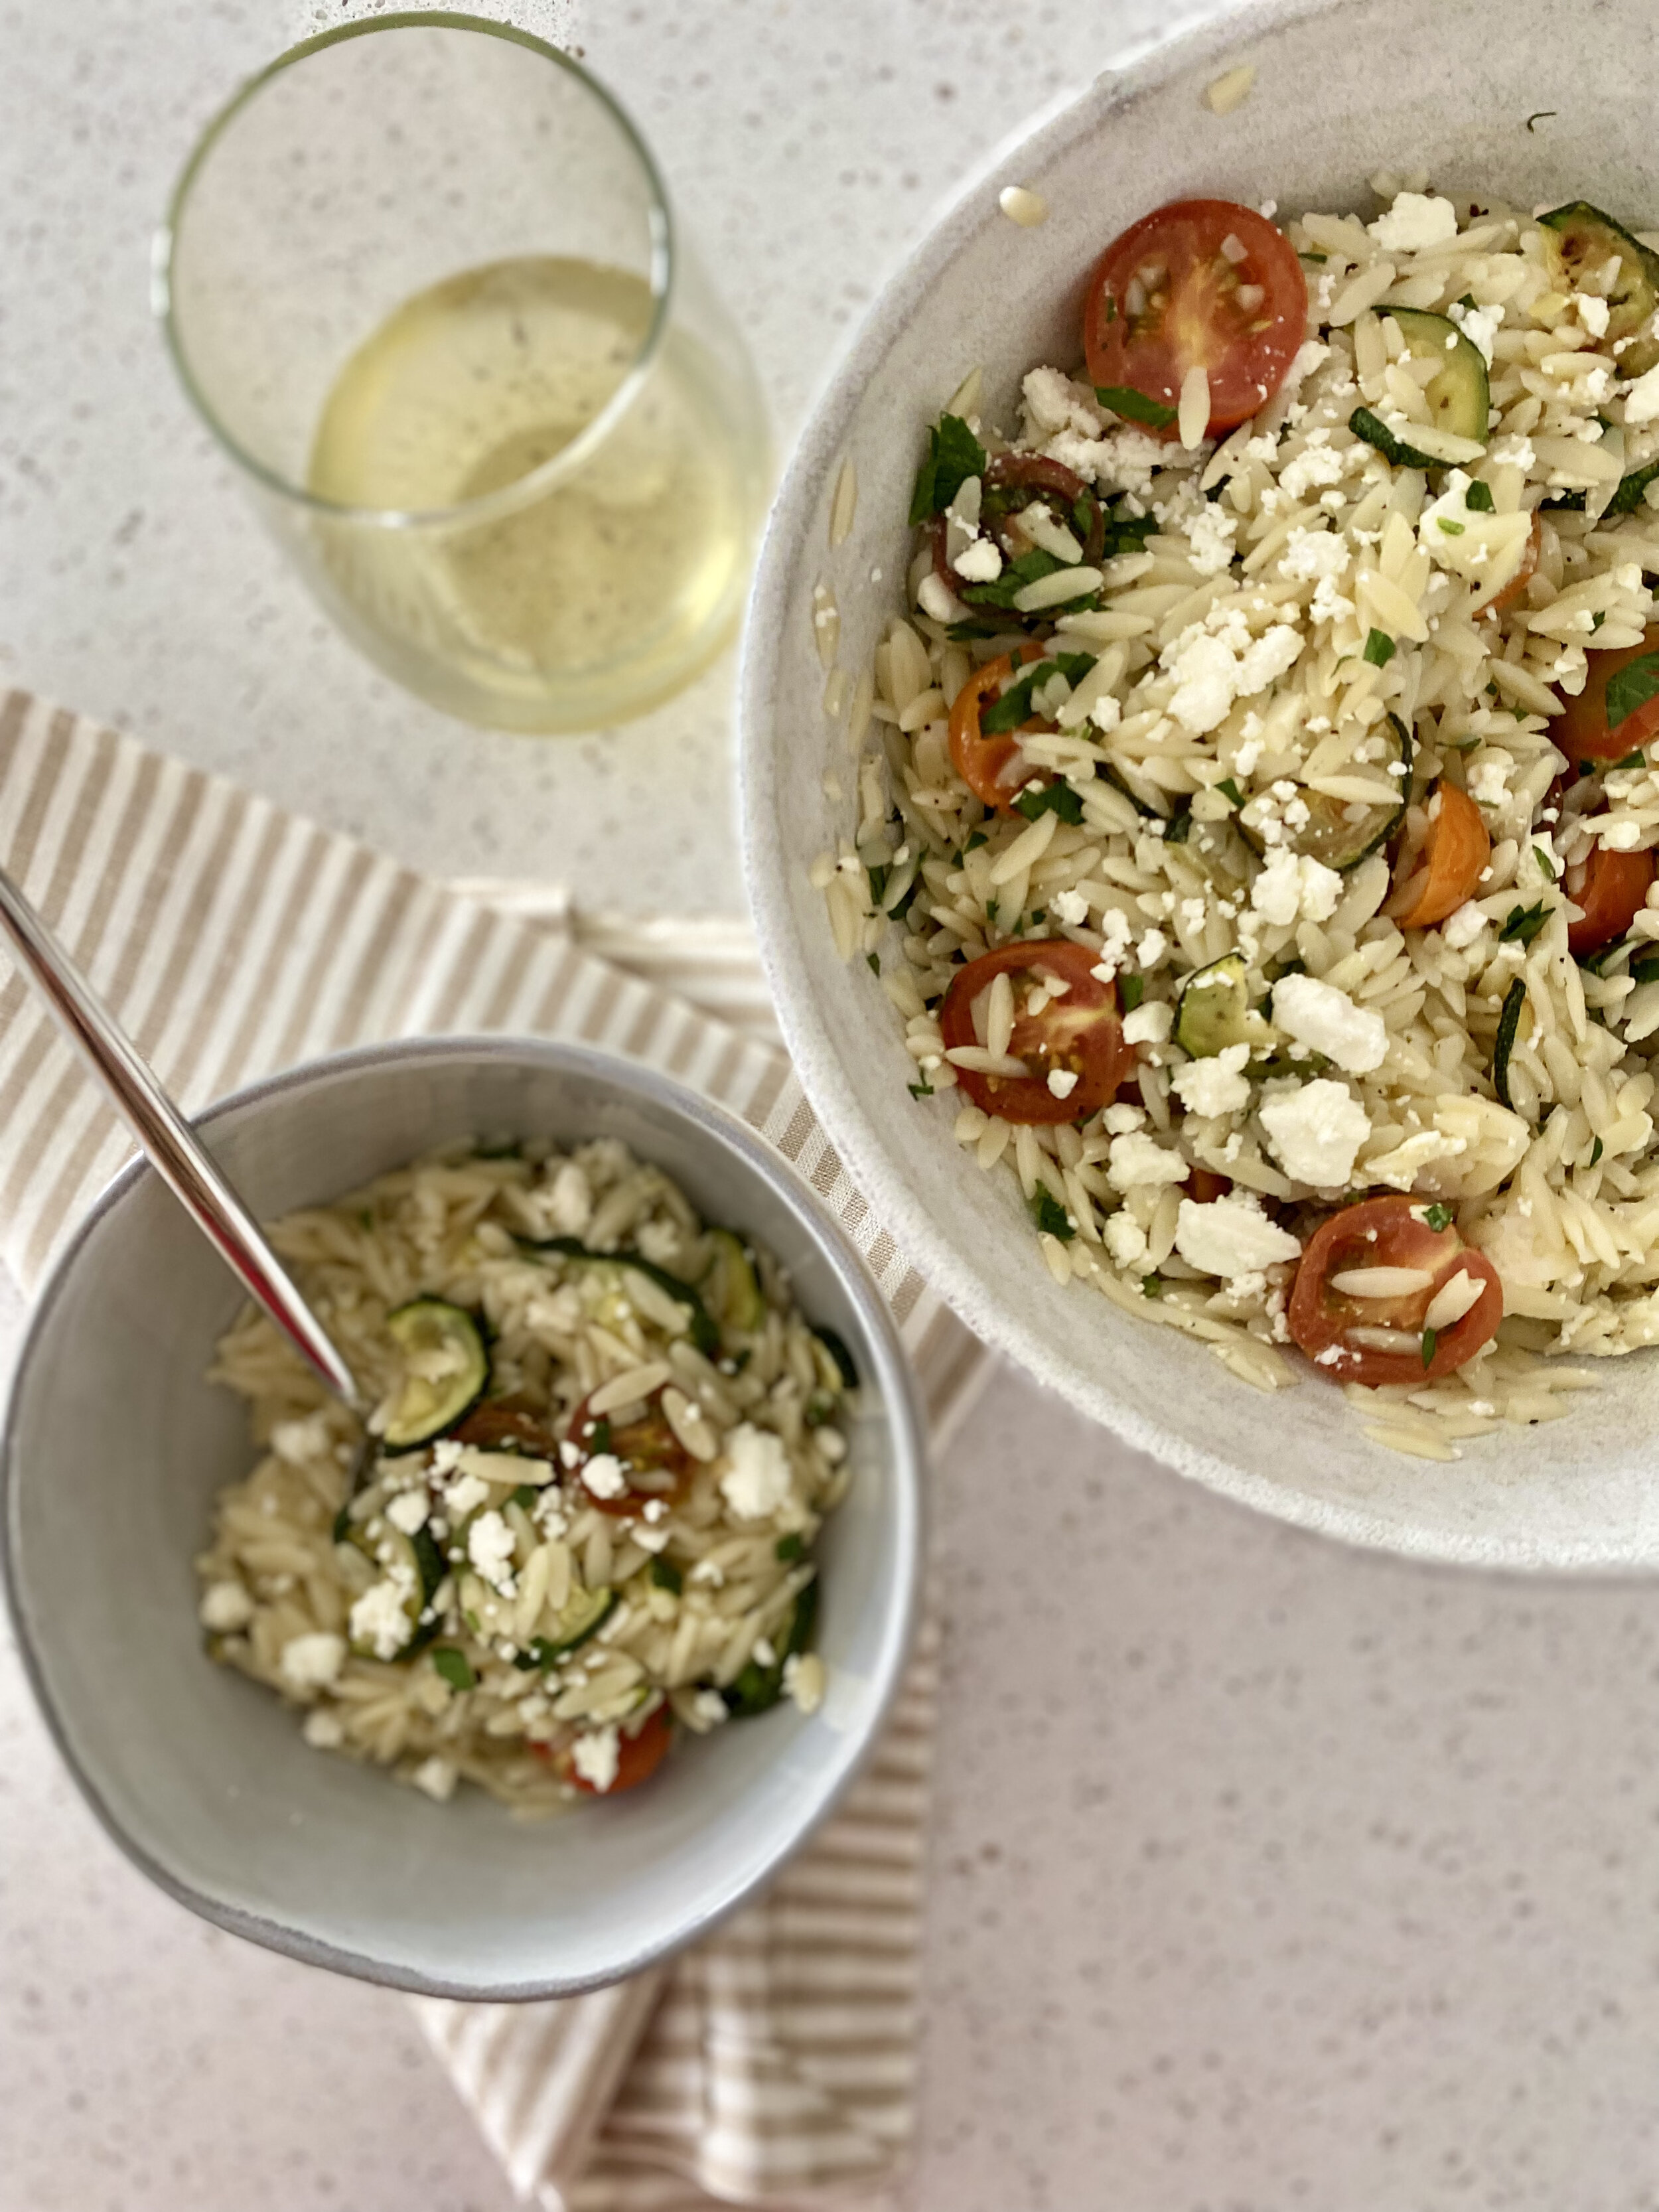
x=1135, y=406
x=1644, y=971
x=1638, y=759
x=922, y=1089
x=1083, y=514
x=1179, y=827
x=1631, y=687
x=525, y=1496
x=1152, y=1286
x=1438, y=1217
x=974, y=843
x=1452, y=529
x=1508, y=1023
x=1231, y=790
x=598, y=1436
x=1050, y=1216
x=1125, y=533
x=1478, y=498
x=872, y=961
x=1544, y=861
x=1631, y=490
x=1379, y=648
x=954, y=455
x=877, y=884
x=1131, y=990
x=1595, y=1151
x=789, y=1548
x=1050, y=798
x=1596, y=963
x=1524, y=924
x=835, y=1345
x=1376, y=432
x=666, y=1576
x=991, y=906
x=1321, y=258
x=1597, y=619
x=1030, y=568
x=1430, y=1339
x=1015, y=705
x=455, y=1667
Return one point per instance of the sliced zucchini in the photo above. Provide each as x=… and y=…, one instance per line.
x=584, y=1613
x=703, y=1333
x=840, y=1357
x=426, y=1564
x=1457, y=394
x=733, y=1288
x=757, y=1689
x=1582, y=241
x=446, y=1370
x=1329, y=834
x=1214, y=1010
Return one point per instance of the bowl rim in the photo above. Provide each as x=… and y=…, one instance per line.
x=907, y=1536
x=1137, y=69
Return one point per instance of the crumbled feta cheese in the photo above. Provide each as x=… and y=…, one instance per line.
x=1216, y=1085
x=596, y=1757
x=1137, y=1160
x=1318, y=463
x=1054, y=402
x=1125, y=1239
x=322, y=1729
x=756, y=1480
x=1290, y=885
x=1151, y=948
x=1210, y=538
x=1231, y=1237
x=980, y=562
x=803, y=1680
x=1119, y=1119
x=1642, y=398
x=1149, y=1023
x=1316, y=1130
x=314, y=1661
x=1206, y=672
x=1270, y=656
x=296, y=1441
x=605, y=1475
x=1489, y=778
x=1312, y=554
x=1328, y=1021
x=569, y=1203
x=437, y=1778
x=1592, y=312
x=225, y=1608
x=489, y=1546
x=1070, y=908
x=1460, y=929
x=1062, y=1082
x=408, y=1510
x=1414, y=222
x=380, y=1618
x=461, y=1497
x=1479, y=326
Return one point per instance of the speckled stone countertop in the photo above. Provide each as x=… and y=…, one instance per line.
x=1264, y=1876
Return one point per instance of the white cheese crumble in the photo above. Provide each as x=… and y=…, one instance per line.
x=1149, y=1023
x=1137, y=1161
x=408, y=1510
x=298, y=1441
x=1210, y=538
x=461, y=1497
x=1216, y=1085
x=322, y=1729
x=378, y=1618
x=1642, y=398
x=489, y=1546
x=225, y=1608
x=568, y=1200
x=1231, y=1236
x=1460, y=930
x=596, y=1757
x=1290, y=885
x=1062, y=1082
x=756, y=1480
x=1070, y=908
x=1316, y=1131
x=604, y=1476
x=1592, y=311
x=314, y=1661
x=1328, y=1021
x=1125, y=1239
x=1479, y=326
x=979, y=562
x=1414, y=222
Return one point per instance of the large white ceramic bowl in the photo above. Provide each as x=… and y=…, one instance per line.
x=114, y=1445
x=1341, y=91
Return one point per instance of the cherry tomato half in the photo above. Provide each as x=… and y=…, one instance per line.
x=1611, y=888
x=507, y=1421
x=1515, y=589
x=645, y=1446
x=1079, y=1033
x=1201, y=284
x=1389, y=1232
x=1447, y=871
x=638, y=1756
x=1582, y=731
x=992, y=767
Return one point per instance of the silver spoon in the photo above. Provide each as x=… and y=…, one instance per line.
x=171, y=1146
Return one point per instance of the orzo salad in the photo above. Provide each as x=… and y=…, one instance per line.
x=1257, y=807
x=605, y=1442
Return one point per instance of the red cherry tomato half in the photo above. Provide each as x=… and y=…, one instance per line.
x=1448, y=869
x=1611, y=888
x=647, y=1447
x=1389, y=1232
x=1204, y=1186
x=1582, y=731
x=992, y=767
x=1079, y=1033
x=638, y=1756
x=1202, y=283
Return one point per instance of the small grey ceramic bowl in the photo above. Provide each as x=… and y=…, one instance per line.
x=114, y=1445
x=1487, y=100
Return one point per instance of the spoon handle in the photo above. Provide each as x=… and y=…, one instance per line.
x=169, y=1143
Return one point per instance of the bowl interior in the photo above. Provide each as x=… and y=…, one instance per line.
x=116, y=1444
x=1341, y=91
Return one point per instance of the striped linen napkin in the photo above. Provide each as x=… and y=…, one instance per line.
x=775, y=2062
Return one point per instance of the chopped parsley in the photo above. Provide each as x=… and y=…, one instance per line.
x=666, y=1576
x=1524, y=924
x=1125, y=533
x=1231, y=790
x=789, y=1548
x=1135, y=406
x=1179, y=827
x=1632, y=489
x=1050, y=798
x=1050, y=1216
x=974, y=843
x=954, y=455
x=1030, y=569
x=1595, y=1151
x=1478, y=498
x=1644, y=971
x=1152, y=1286
x=1015, y=705
x=1437, y=1218
x=1430, y=1339
x=1131, y=990
x=1631, y=687
x=455, y=1667
x=872, y=961
x=1638, y=759
x=1544, y=861
x=877, y=884
x=525, y=1496
x=1379, y=648
x=922, y=1089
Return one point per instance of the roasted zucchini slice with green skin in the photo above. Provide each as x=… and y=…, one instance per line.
x=1214, y=1010
x=704, y=1334
x=756, y=1689
x=731, y=1284
x=446, y=1372
x=1458, y=397
x=1583, y=240
x=426, y=1563
x=1328, y=835
x=584, y=1614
